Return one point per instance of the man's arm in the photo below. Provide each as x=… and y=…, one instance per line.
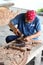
x=15, y=30
x=29, y=38
x=35, y=35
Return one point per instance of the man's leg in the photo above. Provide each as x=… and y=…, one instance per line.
x=11, y=38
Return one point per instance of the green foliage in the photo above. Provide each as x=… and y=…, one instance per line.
x=40, y=10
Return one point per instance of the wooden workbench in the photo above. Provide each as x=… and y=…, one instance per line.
x=35, y=52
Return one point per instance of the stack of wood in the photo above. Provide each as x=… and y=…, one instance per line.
x=13, y=55
x=6, y=15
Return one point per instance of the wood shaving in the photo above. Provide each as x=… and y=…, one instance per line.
x=5, y=15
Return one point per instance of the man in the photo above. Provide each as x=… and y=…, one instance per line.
x=28, y=25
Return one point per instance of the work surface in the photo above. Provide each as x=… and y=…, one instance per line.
x=34, y=52
x=19, y=56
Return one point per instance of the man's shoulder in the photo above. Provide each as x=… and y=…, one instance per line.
x=20, y=16
x=36, y=19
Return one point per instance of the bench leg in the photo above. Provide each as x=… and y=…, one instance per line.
x=38, y=59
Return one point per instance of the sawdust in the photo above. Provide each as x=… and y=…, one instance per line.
x=6, y=15
x=12, y=56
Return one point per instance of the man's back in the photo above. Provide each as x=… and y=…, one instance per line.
x=26, y=28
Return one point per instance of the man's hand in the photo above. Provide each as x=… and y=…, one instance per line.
x=17, y=32
x=27, y=39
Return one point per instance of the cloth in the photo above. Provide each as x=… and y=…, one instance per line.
x=11, y=38
x=30, y=15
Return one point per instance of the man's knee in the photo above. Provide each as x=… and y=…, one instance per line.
x=11, y=38
x=8, y=39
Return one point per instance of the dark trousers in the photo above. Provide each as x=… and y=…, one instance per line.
x=11, y=38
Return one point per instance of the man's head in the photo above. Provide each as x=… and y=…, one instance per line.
x=30, y=15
